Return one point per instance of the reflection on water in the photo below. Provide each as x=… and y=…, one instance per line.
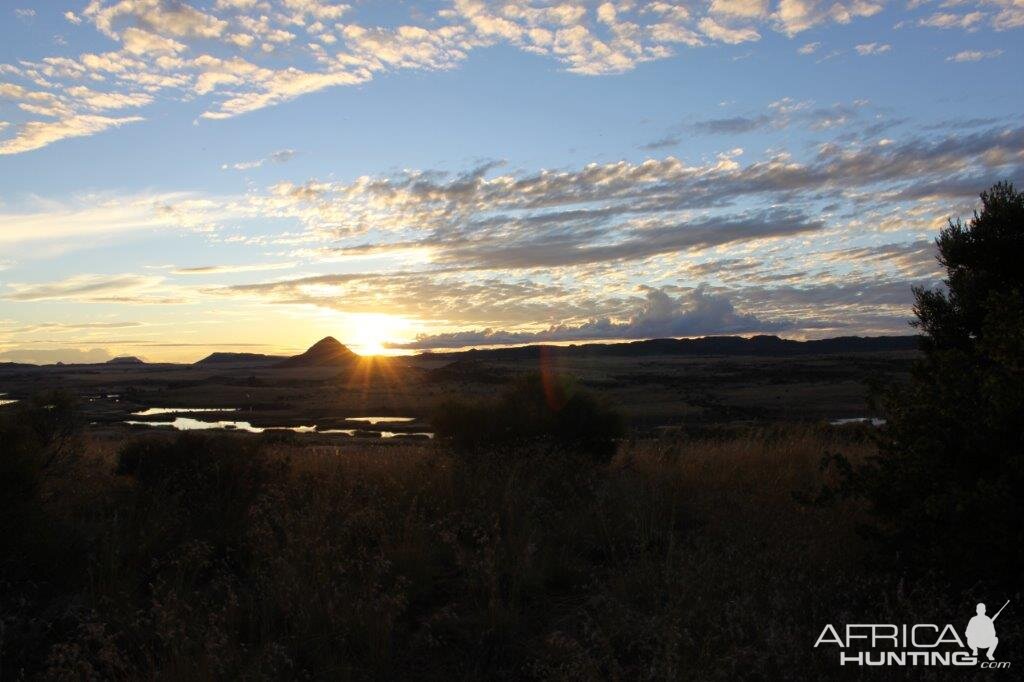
x=381, y=420
x=181, y=410
x=7, y=402
x=874, y=421
x=405, y=434
x=189, y=424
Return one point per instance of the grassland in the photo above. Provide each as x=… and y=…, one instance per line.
x=234, y=557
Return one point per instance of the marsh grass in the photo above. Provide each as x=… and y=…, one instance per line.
x=196, y=557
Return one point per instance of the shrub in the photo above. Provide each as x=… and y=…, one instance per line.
x=535, y=408
x=205, y=486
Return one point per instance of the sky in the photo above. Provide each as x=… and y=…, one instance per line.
x=179, y=177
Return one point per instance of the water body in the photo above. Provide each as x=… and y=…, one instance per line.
x=192, y=424
x=874, y=421
x=149, y=412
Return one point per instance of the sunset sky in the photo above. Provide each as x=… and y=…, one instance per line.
x=183, y=177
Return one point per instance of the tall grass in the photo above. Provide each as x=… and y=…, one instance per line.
x=227, y=558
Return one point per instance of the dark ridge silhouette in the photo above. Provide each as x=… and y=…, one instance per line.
x=707, y=345
x=240, y=359
x=324, y=353
x=125, y=360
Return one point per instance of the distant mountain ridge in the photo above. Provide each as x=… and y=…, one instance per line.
x=125, y=360
x=326, y=352
x=707, y=345
x=220, y=358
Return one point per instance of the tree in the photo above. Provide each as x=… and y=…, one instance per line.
x=945, y=490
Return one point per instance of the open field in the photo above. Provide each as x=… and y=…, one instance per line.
x=654, y=392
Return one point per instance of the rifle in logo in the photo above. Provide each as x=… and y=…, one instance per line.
x=981, y=632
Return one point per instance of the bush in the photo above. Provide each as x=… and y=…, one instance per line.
x=211, y=483
x=535, y=408
x=39, y=439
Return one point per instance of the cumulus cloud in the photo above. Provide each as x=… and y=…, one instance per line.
x=795, y=16
x=726, y=34
x=661, y=315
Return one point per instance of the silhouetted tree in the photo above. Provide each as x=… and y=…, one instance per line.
x=945, y=491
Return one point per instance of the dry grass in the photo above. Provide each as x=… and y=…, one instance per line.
x=684, y=559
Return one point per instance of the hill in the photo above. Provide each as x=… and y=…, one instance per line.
x=240, y=359
x=772, y=346
x=324, y=353
x=125, y=360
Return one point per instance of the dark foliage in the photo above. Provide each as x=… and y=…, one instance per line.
x=534, y=408
x=947, y=488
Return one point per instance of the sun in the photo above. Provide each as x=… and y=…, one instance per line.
x=370, y=333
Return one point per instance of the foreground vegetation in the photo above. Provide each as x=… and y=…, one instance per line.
x=237, y=558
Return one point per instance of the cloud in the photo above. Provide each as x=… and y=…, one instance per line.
x=38, y=134
x=733, y=125
x=749, y=9
x=809, y=48
x=231, y=269
x=97, y=217
x=83, y=288
x=973, y=55
x=949, y=20
x=693, y=313
x=662, y=143
x=25, y=15
x=574, y=248
x=795, y=16
x=238, y=56
x=69, y=327
x=732, y=36
x=280, y=156
x=865, y=49
x=49, y=356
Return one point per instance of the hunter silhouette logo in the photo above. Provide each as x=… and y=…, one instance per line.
x=981, y=632
x=920, y=644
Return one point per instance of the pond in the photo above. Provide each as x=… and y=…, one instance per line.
x=192, y=424
x=149, y=412
x=874, y=421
